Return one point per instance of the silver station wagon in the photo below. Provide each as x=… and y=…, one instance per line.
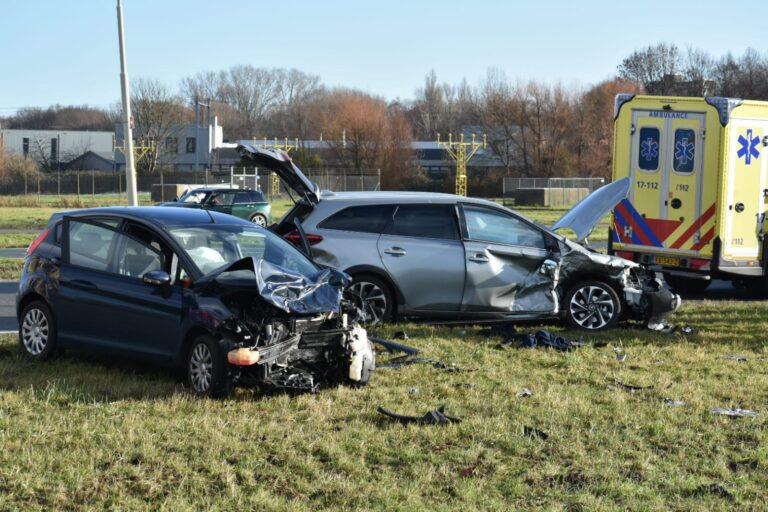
x=447, y=257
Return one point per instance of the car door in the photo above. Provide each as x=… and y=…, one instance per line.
x=221, y=201
x=507, y=264
x=242, y=205
x=103, y=300
x=422, y=251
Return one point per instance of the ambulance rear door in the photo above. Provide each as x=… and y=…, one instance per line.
x=746, y=188
x=663, y=209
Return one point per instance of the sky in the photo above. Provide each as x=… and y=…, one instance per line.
x=66, y=52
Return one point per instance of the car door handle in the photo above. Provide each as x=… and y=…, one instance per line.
x=395, y=251
x=83, y=285
x=479, y=258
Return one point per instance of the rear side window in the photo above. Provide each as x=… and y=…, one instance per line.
x=648, y=156
x=257, y=197
x=685, y=150
x=89, y=245
x=100, y=247
x=425, y=221
x=363, y=219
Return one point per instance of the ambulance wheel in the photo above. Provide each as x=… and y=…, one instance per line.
x=687, y=284
x=592, y=305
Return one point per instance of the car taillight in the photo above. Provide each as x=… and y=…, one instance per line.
x=36, y=242
x=295, y=238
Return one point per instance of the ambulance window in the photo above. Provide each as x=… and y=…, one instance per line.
x=685, y=150
x=648, y=156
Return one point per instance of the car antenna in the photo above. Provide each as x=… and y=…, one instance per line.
x=209, y=216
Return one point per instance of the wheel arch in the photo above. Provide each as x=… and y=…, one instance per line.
x=189, y=337
x=27, y=299
x=381, y=274
x=573, y=279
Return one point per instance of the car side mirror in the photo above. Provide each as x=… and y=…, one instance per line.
x=157, y=278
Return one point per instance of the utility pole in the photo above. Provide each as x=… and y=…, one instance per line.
x=130, y=167
x=199, y=104
x=461, y=152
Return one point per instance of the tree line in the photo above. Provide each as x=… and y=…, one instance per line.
x=536, y=129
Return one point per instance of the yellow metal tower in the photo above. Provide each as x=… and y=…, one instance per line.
x=461, y=152
x=139, y=152
x=285, y=146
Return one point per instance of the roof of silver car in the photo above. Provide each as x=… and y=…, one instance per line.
x=399, y=197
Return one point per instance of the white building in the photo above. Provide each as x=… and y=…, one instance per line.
x=54, y=147
x=185, y=147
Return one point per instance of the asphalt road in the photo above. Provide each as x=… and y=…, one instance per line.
x=12, y=253
x=8, y=306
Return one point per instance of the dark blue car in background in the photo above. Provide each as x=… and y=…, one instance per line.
x=227, y=300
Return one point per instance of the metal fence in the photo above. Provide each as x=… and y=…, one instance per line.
x=512, y=184
x=83, y=183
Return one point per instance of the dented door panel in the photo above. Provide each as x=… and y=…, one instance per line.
x=508, y=279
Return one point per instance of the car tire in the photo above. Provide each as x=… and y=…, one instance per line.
x=37, y=331
x=592, y=305
x=207, y=372
x=259, y=219
x=686, y=284
x=376, y=298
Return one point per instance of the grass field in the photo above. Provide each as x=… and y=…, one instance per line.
x=83, y=432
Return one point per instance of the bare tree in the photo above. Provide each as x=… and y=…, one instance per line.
x=363, y=134
x=206, y=85
x=292, y=115
x=157, y=115
x=252, y=92
x=651, y=66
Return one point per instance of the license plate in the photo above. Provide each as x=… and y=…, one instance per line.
x=666, y=260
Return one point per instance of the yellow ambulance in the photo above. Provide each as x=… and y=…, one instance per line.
x=696, y=206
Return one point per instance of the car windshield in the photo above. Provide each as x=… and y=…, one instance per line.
x=213, y=246
x=193, y=196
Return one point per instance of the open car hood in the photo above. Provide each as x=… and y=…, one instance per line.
x=288, y=290
x=583, y=217
x=278, y=161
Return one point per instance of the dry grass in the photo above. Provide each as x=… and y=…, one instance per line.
x=84, y=432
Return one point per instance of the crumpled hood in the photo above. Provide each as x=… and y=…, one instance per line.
x=599, y=258
x=583, y=217
x=288, y=290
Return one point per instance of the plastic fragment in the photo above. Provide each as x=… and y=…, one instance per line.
x=630, y=387
x=734, y=413
x=392, y=346
x=436, y=417
x=535, y=433
x=524, y=393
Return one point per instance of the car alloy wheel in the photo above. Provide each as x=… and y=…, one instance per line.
x=374, y=300
x=35, y=331
x=201, y=368
x=259, y=220
x=593, y=305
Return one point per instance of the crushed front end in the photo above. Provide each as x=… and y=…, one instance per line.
x=646, y=297
x=289, y=331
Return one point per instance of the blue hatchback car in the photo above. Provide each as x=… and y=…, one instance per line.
x=227, y=300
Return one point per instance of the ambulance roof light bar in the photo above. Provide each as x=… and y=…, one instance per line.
x=724, y=106
x=621, y=99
